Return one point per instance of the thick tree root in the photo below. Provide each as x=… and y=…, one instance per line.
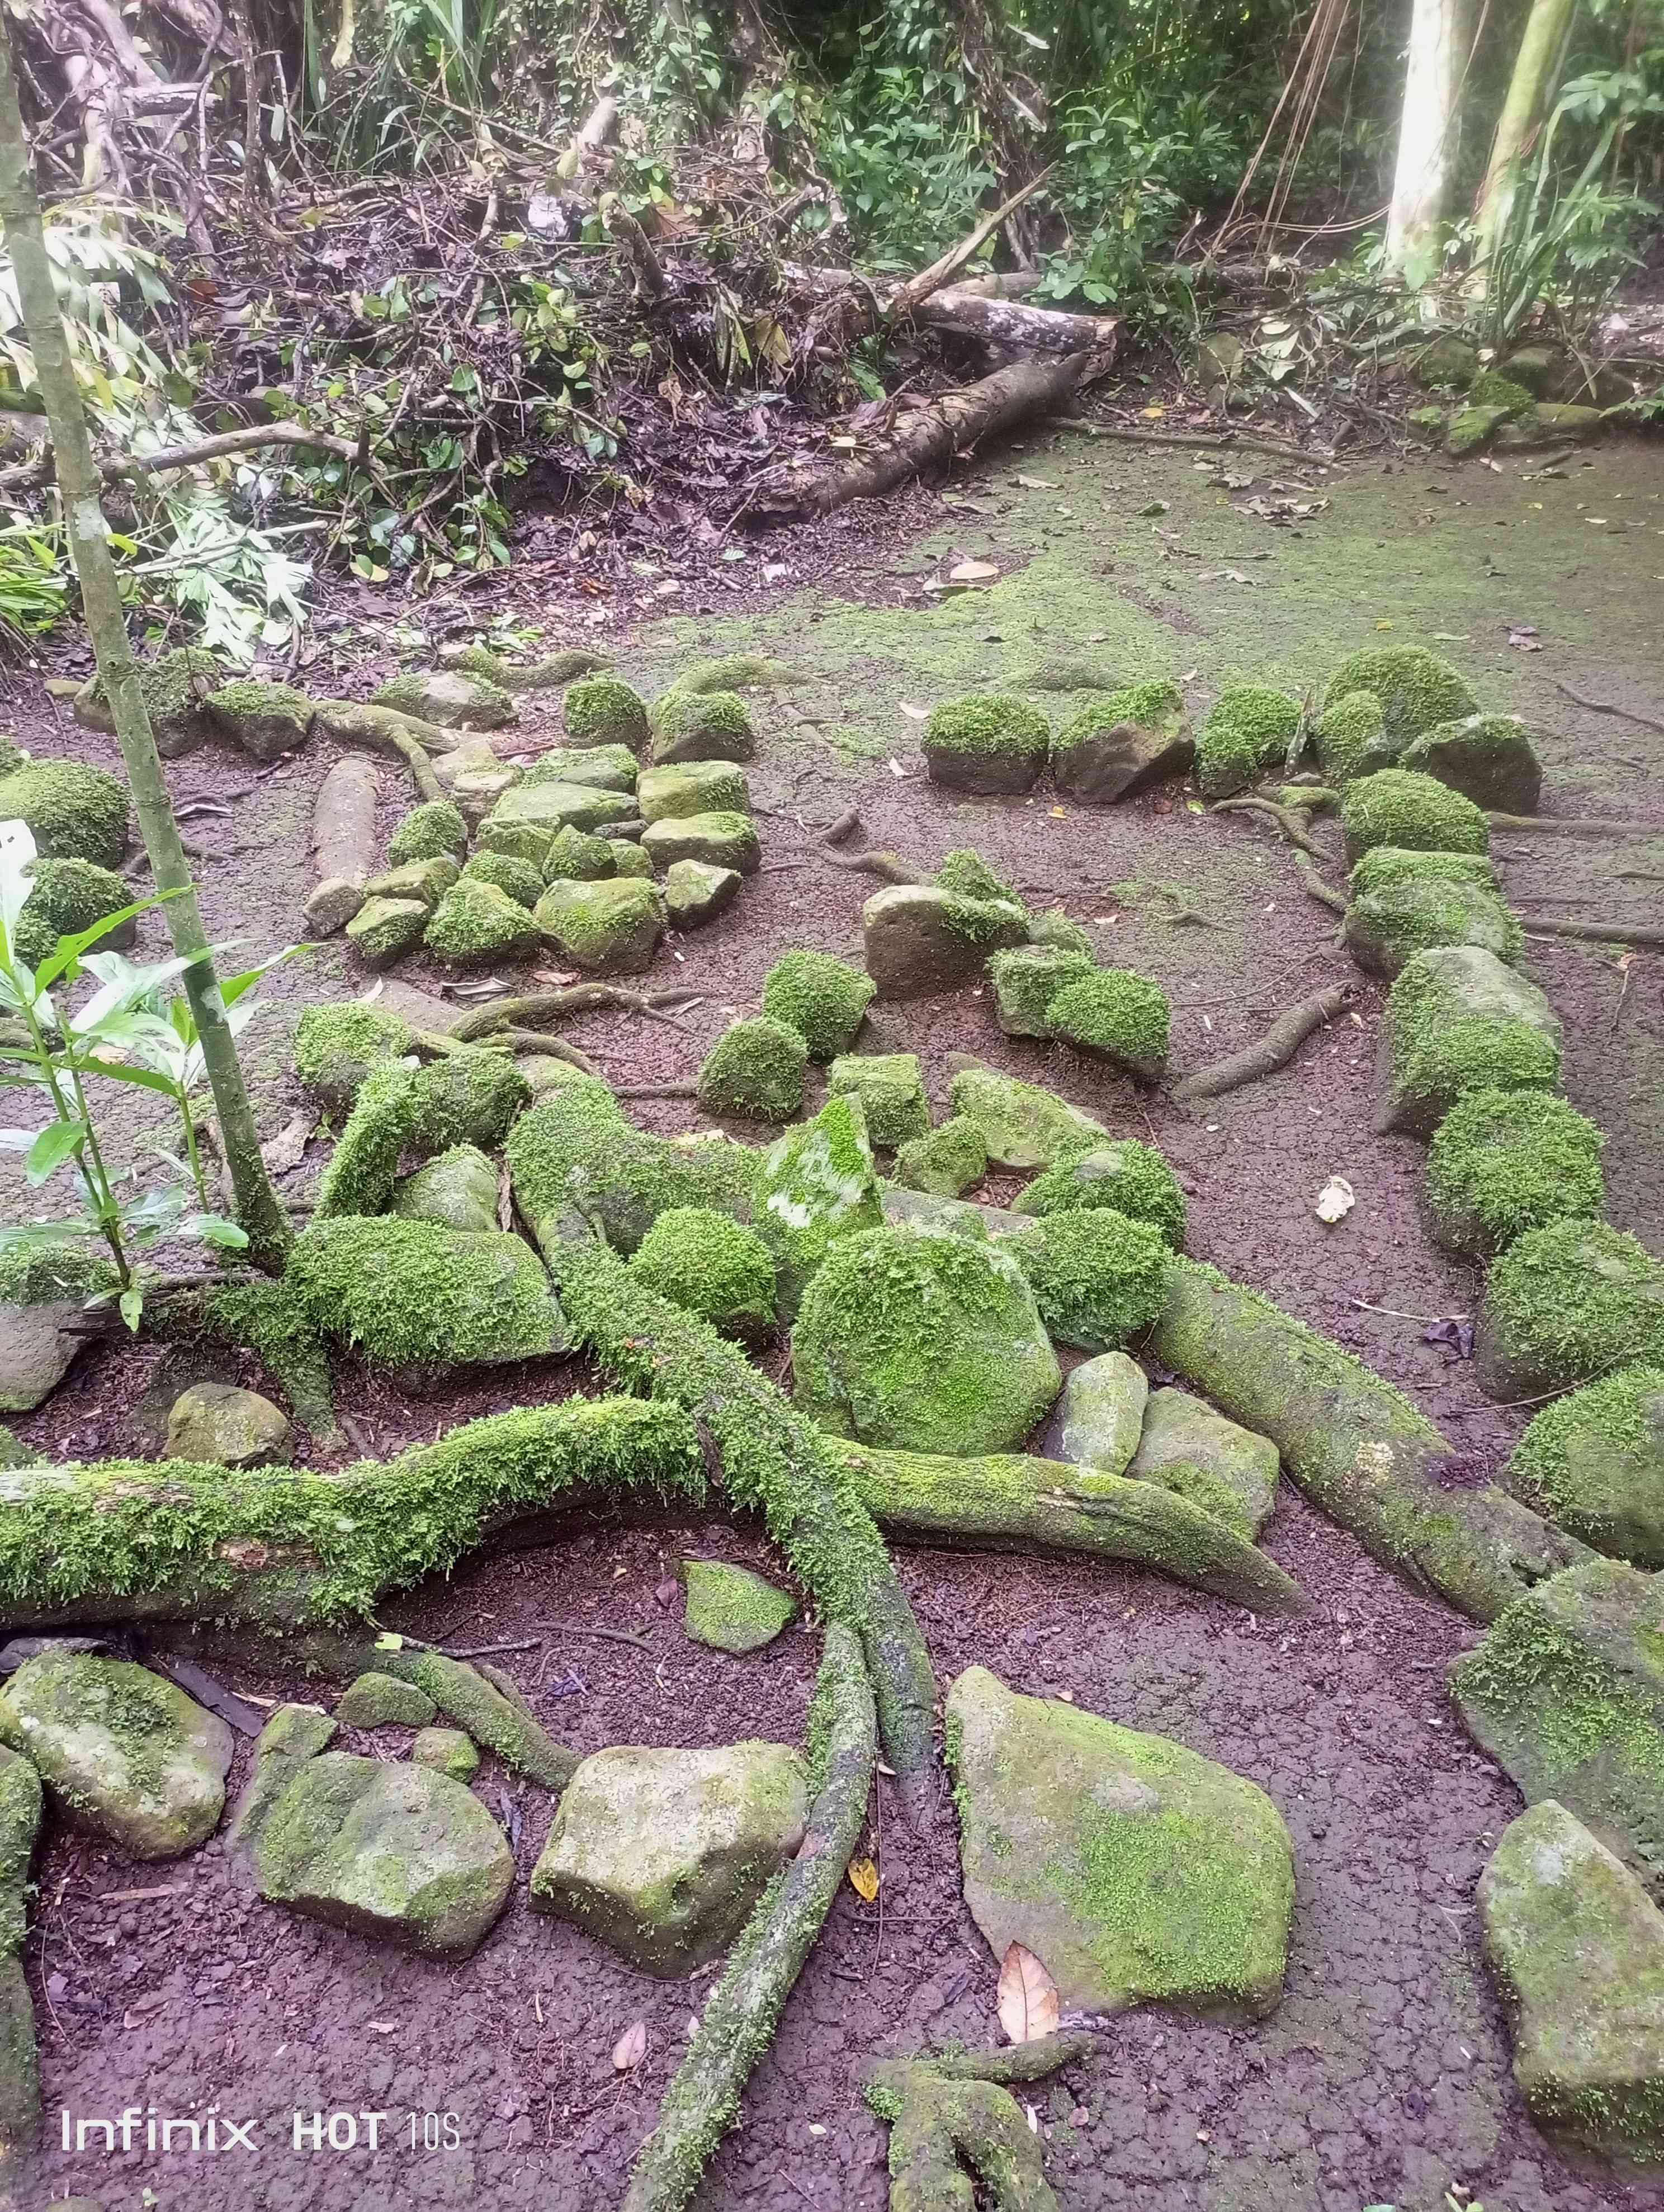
x=355, y=722
x=1313, y=885
x=1273, y=1050
x=950, y=2112
x=740, y=2015
x=888, y=867
x=1576, y=825
x=1646, y=937
x=537, y=1007
x=1288, y=819
x=1042, y=1504
x=1357, y=1448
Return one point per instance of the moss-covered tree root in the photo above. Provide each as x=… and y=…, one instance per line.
x=1357, y=1448
x=740, y=2015
x=1023, y=1505
x=888, y=867
x=383, y=729
x=772, y=1461
x=1267, y=1053
x=956, y=2111
x=542, y=1006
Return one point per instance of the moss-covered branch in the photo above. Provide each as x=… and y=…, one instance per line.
x=1041, y=1504
x=948, y=2113
x=1357, y=1447
x=739, y=2016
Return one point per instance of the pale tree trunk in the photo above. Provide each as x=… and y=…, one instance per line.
x=1427, y=137
x=79, y=483
x=1527, y=95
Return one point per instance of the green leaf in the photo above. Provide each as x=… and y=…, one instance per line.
x=119, y=1072
x=132, y=1305
x=69, y=949
x=214, y=1229
x=58, y=1142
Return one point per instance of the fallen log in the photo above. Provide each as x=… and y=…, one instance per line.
x=931, y=436
x=1001, y=321
x=1269, y=1052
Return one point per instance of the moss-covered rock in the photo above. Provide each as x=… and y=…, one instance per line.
x=121, y=1751
x=475, y=923
x=987, y=743
x=1022, y=1124
x=294, y=1734
x=578, y=857
x=1489, y=758
x=544, y=674
x=19, y=1824
x=603, y=768
x=1565, y=1304
x=890, y=1086
x=755, y=1070
x=1127, y=1174
x=1248, y=730
x=435, y=827
x=337, y=1045
x=1416, y=689
x=449, y=699
x=1054, y=928
x=695, y=726
x=1415, y=814
x=1027, y=978
x=1491, y=388
x=392, y=1850
x=1457, y=1020
x=517, y=879
x=922, y=1343
x=712, y=1266
x=1121, y=744
x=663, y=1854
x=1444, y=361
x=65, y=897
x=1352, y=740
x=1383, y=866
x=374, y=1700
x=468, y=1096
x=1097, y=1421
x=613, y=927
x=604, y=710
x=1219, y=1466
x=1593, y=1463
x=695, y=893
x=823, y=998
x=947, y=1160
x=1136, y=1871
x=426, y=880
x=731, y=1609
x=384, y=928
x=698, y=787
x=266, y=720
x=219, y=1424
x=525, y=820
x=416, y=1295
x=458, y=1188
x=1577, y=1948
x=968, y=874
x=720, y=840
x=1118, y=1015
x=447, y=1751
x=1471, y=428
x=74, y=812
x=815, y=1185
x=175, y=687
x=1503, y=1161
x=921, y=939
x=1384, y=928
x=1098, y=1276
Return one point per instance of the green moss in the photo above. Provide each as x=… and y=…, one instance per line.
x=736, y=671
x=950, y=1160
x=1053, y=929
x=74, y=812
x=576, y=856
x=1503, y=1161
x=986, y=722
x=428, y=831
x=267, y=1319
x=518, y=879
x=39, y=1275
x=412, y=1293
x=820, y=998
x=1385, y=928
x=1026, y=978
x=337, y=1045
x=469, y=1096
x=1395, y=806
x=601, y=768
x=732, y=1609
x=1492, y=389
x=1129, y=1175
x=1416, y=689
x=1590, y=1462
x=1438, y=1053
x=360, y=1177
x=1123, y=1016
x=20, y=1820
x=1249, y=729
x=1383, y=866
x=967, y=875
x=710, y=1265
x=65, y=897
x=170, y=685
x=1574, y=1300
x=755, y=1070
x=476, y=922
x=815, y=1185
x=720, y=715
x=246, y=696
x=554, y=668
x=1098, y=1276
x=1351, y=737
x=604, y=710
x=891, y=1090
x=574, y=1152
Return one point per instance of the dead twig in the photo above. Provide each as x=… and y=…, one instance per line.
x=1273, y=1050
x=1601, y=707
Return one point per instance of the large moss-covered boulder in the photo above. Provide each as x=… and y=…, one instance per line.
x=607, y=767
x=944, y=1162
x=754, y=1070
x=374, y=1700
x=712, y=1266
x=1384, y=928
x=731, y=1609
x=1132, y=1870
x=65, y=897
x=696, y=726
x=1416, y=689
x=476, y=924
x=1122, y=743
x=1097, y=1277
x=1127, y=1174
x=823, y=999
x=1384, y=866
x=459, y=1188
x=1121, y=1017
x=1097, y=1421
x=890, y=1086
x=576, y=856
x=1593, y=1463
x=74, y=812
x=1577, y=1948
x=414, y=1295
x=1413, y=812
x=703, y=787
x=1248, y=730
x=1027, y=978
x=613, y=927
x=121, y=1750
x=987, y=743
x=1566, y=1693
x=449, y=699
x=1022, y=1124
x=266, y=720
x=921, y=939
x=603, y=710
x=219, y=1424
x=814, y=1186
x=175, y=687
x=1227, y=1470
x=922, y=1343
x=1459, y=1020
x=1503, y=1161
x=1489, y=758
x=1564, y=1305
x=663, y=1854
x=390, y=1849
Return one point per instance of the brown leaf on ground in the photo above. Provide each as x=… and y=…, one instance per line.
x=1028, y=1996
x=631, y=2047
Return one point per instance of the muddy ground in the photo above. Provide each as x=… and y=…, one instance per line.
x=1383, y=2079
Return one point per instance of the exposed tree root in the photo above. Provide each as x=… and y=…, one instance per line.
x=740, y=2015
x=1273, y=1050
x=1601, y=707
x=1228, y=441
x=1019, y=1503
x=948, y=2113
x=1576, y=825
x=352, y=722
x=1315, y=887
x=532, y=1041
x=1287, y=818
x=1647, y=937
x=538, y=1007
x=888, y=868
x=1358, y=1449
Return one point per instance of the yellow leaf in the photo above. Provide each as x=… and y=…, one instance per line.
x=1061, y=812
x=1153, y=414
x=1383, y=625
x=864, y=1878
x=1028, y=1996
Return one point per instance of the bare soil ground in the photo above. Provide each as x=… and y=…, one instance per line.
x=1384, y=2077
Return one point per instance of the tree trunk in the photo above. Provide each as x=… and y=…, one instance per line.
x=258, y=1207
x=1528, y=93
x=998, y=321
x=1427, y=139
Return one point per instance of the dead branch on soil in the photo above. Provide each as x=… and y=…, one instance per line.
x=956, y=2111
x=888, y=868
x=1644, y=936
x=1576, y=825
x=235, y=441
x=1273, y=1050
x=1601, y=707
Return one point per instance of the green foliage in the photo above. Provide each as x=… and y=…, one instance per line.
x=820, y=998
x=1098, y=1276
x=755, y=1071
x=1503, y=1161
x=711, y=1265
x=428, y=832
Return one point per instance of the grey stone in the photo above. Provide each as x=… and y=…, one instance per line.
x=459, y=1188
x=343, y=842
x=1418, y=1080
x=695, y=893
x=383, y=928
x=731, y=1609
x=607, y=768
x=448, y=699
x=427, y=880
x=1099, y=1418
x=447, y=1751
x=1122, y=759
x=699, y=787
x=218, y=1423
x=1228, y=1471
x=551, y=806
x=37, y=1346
x=373, y=1701
x=920, y=940
x=720, y=840
x=1022, y=1124
x=1489, y=758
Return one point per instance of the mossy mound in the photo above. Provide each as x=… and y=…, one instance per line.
x=987, y=743
x=266, y=720
x=711, y=1265
x=428, y=831
x=949, y=1159
x=1415, y=813
x=604, y=710
x=1566, y=1303
x=1122, y=1016
x=65, y=897
x=1383, y=866
x=1129, y=1175
x=1026, y=978
x=1503, y=1161
x=427, y=881
x=922, y=1343
x=1384, y=928
x=459, y=1187
x=823, y=998
x=966, y=874
x=476, y=923
x=690, y=726
x=1593, y=1463
x=468, y=1096
x=1098, y=1277
x=337, y=1045
x=1249, y=729
x=610, y=928
x=732, y=1609
x=578, y=857
x=1350, y=736
x=890, y=1086
x=413, y=1294
x=517, y=879
x=814, y=1186
x=755, y=1070
x=1457, y=1020
x=599, y=767
x=449, y=700
x=720, y=840
x=693, y=788
x=574, y=1152
x=73, y=812
x=1489, y=758
x=1023, y=1124
x=1416, y=689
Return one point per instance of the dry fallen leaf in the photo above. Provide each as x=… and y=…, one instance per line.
x=864, y=1878
x=916, y=714
x=1028, y=1996
x=973, y=572
x=1336, y=1199
x=631, y=2047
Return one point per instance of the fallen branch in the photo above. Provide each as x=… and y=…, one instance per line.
x=539, y=1042
x=233, y=442
x=906, y=298
x=739, y=2015
x=352, y=722
x=651, y=282
x=1228, y=441
x=1601, y=707
x=1576, y=825
x=888, y=868
x=538, y=1007
x=1273, y=1050
x=955, y=2111
x=1647, y=937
